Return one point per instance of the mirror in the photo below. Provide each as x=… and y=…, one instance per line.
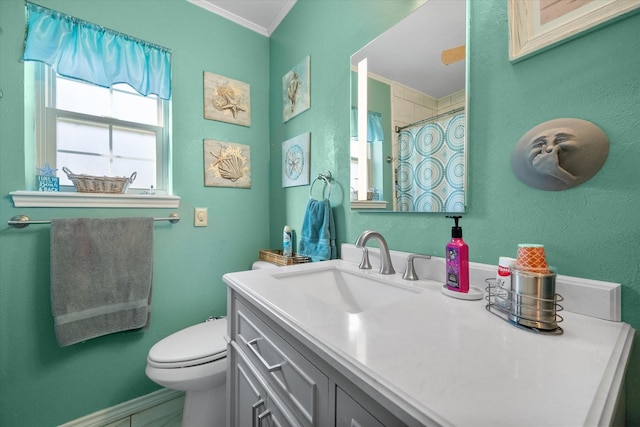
x=412, y=108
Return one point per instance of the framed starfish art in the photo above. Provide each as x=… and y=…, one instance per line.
x=226, y=100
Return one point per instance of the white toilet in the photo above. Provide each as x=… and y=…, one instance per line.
x=194, y=360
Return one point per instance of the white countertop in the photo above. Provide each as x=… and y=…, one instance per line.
x=451, y=361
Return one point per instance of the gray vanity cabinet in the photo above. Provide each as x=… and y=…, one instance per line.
x=288, y=376
x=275, y=381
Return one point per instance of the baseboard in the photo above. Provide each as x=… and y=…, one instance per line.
x=125, y=409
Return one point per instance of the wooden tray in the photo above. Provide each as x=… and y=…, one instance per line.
x=275, y=256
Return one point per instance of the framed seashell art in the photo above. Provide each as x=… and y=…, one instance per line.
x=227, y=164
x=226, y=100
x=296, y=96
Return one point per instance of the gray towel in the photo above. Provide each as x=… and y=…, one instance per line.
x=101, y=274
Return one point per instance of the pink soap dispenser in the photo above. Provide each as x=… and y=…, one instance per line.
x=457, y=260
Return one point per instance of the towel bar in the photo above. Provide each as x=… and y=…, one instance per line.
x=22, y=221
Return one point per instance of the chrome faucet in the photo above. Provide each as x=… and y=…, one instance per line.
x=410, y=272
x=386, y=267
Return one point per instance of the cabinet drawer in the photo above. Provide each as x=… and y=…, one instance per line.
x=349, y=413
x=253, y=403
x=302, y=387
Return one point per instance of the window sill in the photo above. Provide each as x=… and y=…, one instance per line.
x=42, y=199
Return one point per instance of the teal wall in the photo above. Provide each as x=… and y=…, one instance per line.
x=42, y=384
x=329, y=31
x=589, y=231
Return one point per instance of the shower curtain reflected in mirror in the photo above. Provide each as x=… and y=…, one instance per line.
x=431, y=164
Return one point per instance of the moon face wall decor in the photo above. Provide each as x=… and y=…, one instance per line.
x=560, y=154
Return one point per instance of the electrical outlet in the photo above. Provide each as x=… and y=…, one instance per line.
x=200, y=217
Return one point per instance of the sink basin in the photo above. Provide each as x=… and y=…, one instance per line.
x=347, y=290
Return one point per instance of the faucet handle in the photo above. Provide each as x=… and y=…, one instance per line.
x=365, y=264
x=410, y=272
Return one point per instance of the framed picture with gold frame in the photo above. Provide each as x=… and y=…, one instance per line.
x=538, y=25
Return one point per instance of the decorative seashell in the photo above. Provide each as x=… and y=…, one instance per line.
x=226, y=91
x=226, y=101
x=219, y=103
x=230, y=166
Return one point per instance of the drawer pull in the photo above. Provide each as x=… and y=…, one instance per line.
x=262, y=416
x=254, y=410
x=270, y=368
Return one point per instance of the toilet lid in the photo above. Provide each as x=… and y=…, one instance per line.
x=196, y=344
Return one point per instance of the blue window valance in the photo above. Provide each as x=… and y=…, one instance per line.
x=85, y=51
x=374, y=125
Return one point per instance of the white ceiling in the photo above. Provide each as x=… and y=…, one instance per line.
x=408, y=53
x=261, y=16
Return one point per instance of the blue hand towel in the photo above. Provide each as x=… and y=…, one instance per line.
x=318, y=239
x=101, y=274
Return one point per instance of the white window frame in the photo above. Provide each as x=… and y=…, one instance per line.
x=45, y=116
x=34, y=77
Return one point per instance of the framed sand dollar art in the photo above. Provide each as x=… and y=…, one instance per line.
x=295, y=160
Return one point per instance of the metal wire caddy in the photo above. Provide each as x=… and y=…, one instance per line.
x=500, y=302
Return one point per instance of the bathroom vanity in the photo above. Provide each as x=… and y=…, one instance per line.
x=383, y=351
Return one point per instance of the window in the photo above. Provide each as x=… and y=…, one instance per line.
x=99, y=131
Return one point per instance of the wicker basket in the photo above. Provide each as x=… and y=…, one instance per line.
x=99, y=184
x=275, y=256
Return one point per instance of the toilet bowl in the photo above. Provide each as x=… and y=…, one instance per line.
x=193, y=360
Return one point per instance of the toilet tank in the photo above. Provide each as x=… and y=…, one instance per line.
x=262, y=265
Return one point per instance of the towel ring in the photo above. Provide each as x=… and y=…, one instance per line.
x=327, y=182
